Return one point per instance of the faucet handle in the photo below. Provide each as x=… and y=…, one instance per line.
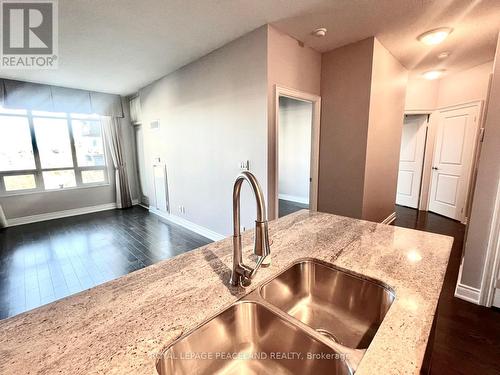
x=261, y=242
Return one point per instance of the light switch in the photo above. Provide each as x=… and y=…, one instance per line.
x=245, y=165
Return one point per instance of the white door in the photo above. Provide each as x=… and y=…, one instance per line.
x=451, y=166
x=160, y=186
x=411, y=160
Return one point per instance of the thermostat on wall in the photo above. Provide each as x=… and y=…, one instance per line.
x=155, y=124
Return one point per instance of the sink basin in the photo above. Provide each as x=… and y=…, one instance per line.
x=248, y=338
x=346, y=308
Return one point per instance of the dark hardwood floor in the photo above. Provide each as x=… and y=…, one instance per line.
x=288, y=207
x=467, y=340
x=45, y=261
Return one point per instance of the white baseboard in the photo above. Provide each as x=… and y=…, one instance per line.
x=294, y=198
x=389, y=219
x=496, y=299
x=467, y=293
x=59, y=214
x=205, y=232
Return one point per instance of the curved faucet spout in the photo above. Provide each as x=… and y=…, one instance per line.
x=241, y=273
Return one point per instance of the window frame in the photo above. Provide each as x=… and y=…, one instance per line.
x=38, y=171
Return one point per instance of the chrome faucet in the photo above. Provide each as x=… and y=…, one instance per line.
x=243, y=274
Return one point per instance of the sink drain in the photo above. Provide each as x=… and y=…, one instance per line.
x=328, y=335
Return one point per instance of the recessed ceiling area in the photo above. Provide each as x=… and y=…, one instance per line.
x=119, y=46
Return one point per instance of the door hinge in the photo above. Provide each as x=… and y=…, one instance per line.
x=481, y=135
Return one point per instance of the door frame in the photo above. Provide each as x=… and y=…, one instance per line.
x=315, y=131
x=492, y=262
x=432, y=137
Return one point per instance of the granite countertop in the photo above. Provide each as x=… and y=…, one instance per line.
x=120, y=326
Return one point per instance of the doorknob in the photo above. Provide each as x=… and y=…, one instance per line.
x=435, y=168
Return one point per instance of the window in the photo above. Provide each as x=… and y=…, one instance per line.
x=42, y=151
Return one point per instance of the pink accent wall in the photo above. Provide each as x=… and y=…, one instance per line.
x=294, y=66
x=345, y=96
x=387, y=100
x=363, y=92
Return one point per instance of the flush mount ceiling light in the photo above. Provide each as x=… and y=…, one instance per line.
x=436, y=36
x=443, y=55
x=433, y=74
x=321, y=32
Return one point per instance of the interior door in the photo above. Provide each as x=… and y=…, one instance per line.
x=451, y=168
x=160, y=186
x=411, y=160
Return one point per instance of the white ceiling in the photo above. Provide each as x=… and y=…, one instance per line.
x=397, y=23
x=119, y=46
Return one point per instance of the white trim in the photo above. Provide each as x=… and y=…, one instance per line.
x=389, y=219
x=496, y=299
x=59, y=214
x=466, y=292
x=491, y=264
x=418, y=111
x=294, y=198
x=205, y=232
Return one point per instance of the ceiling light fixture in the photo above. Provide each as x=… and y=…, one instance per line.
x=321, y=32
x=436, y=36
x=443, y=55
x=433, y=74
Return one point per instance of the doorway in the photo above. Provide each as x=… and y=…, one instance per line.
x=437, y=160
x=411, y=160
x=297, y=145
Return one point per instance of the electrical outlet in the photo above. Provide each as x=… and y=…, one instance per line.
x=182, y=209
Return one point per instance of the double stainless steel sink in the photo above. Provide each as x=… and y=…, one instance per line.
x=312, y=318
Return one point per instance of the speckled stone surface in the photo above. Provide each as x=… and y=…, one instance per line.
x=119, y=327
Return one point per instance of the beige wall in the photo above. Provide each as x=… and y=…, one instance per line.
x=213, y=114
x=387, y=98
x=345, y=95
x=290, y=65
x=459, y=88
x=421, y=94
x=486, y=188
x=363, y=92
x=466, y=86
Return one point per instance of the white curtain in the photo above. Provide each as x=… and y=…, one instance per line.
x=113, y=138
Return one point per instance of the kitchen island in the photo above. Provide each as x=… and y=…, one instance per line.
x=121, y=326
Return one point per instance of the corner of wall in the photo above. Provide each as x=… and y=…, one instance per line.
x=386, y=112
